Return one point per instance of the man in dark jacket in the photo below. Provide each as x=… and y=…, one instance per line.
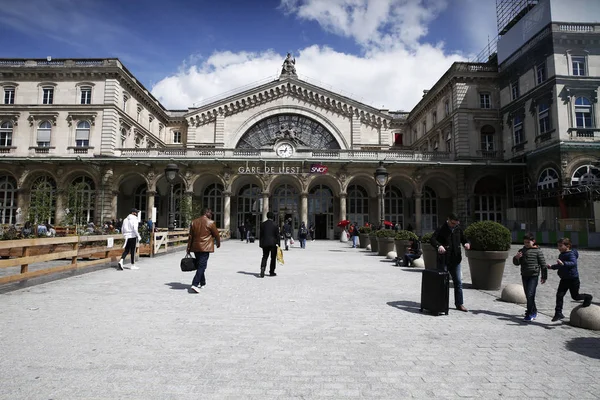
x=447, y=240
x=202, y=238
x=268, y=241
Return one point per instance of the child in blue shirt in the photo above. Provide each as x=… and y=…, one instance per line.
x=569, y=277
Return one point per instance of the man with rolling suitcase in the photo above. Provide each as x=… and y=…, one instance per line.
x=447, y=239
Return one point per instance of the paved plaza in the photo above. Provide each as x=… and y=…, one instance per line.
x=336, y=323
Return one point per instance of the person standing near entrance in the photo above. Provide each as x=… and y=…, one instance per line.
x=287, y=233
x=302, y=234
x=311, y=231
x=447, y=240
x=129, y=229
x=268, y=242
x=201, y=240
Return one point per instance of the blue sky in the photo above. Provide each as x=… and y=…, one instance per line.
x=381, y=52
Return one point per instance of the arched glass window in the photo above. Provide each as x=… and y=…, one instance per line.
x=82, y=134
x=428, y=210
x=586, y=175
x=6, y=131
x=548, y=179
x=249, y=207
x=394, y=205
x=140, y=201
x=123, y=136
x=81, y=201
x=285, y=202
x=42, y=205
x=43, y=134
x=8, y=200
x=357, y=205
x=213, y=199
x=583, y=112
x=178, y=198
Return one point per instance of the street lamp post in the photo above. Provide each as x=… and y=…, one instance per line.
x=171, y=171
x=381, y=178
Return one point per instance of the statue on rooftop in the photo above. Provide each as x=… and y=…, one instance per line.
x=289, y=65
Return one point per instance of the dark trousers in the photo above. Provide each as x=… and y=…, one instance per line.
x=129, y=249
x=272, y=251
x=571, y=285
x=201, y=263
x=530, y=286
x=408, y=257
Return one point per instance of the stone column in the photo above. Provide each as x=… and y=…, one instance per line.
x=114, y=204
x=342, y=206
x=150, y=204
x=418, y=197
x=265, y=207
x=227, y=211
x=304, y=207
x=59, y=212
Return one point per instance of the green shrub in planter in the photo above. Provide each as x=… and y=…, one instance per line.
x=387, y=233
x=488, y=236
x=426, y=238
x=364, y=229
x=405, y=235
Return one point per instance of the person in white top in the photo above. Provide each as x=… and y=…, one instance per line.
x=131, y=235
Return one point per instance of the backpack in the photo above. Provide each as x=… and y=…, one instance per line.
x=303, y=231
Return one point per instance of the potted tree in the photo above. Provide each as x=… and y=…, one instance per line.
x=402, y=241
x=363, y=236
x=385, y=241
x=373, y=240
x=429, y=252
x=490, y=242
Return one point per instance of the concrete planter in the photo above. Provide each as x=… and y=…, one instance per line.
x=429, y=256
x=401, y=246
x=374, y=244
x=487, y=268
x=364, y=240
x=385, y=245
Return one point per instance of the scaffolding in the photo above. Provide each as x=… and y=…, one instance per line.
x=509, y=12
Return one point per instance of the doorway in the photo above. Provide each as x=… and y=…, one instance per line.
x=320, y=226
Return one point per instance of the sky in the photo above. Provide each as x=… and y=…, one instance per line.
x=383, y=53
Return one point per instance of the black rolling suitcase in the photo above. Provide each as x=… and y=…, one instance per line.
x=435, y=291
x=251, y=239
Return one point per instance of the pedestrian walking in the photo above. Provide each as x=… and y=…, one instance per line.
x=532, y=261
x=354, y=235
x=268, y=242
x=201, y=240
x=569, y=278
x=447, y=239
x=287, y=233
x=302, y=234
x=129, y=229
x=311, y=231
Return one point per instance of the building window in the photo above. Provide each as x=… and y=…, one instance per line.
x=434, y=118
x=583, y=112
x=177, y=137
x=42, y=200
x=544, y=117
x=9, y=95
x=484, y=100
x=518, y=129
x=394, y=205
x=578, y=64
x=6, y=131
x=436, y=144
x=357, y=204
x=548, y=179
x=446, y=108
x=449, y=142
x=213, y=199
x=249, y=209
x=48, y=96
x=487, y=138
x=8, y=200
x=424, y=126
x=429, y=210
x=139, y=113
x=514, y=89
x=43, y=134
x=125, y=98
x=541, y=73
x=586, y=175
x=398, y=139
x=80, y=201
x=86, y=95
x=82, y=134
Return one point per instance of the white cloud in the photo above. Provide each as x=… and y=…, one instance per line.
x=392, y=72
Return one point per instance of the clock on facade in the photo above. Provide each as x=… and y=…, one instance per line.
x=284, y=149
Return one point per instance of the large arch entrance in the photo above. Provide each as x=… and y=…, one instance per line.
x=320, y=211
x=284, y=204
x=249, y=208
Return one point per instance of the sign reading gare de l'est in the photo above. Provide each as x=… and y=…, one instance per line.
x=280, y=170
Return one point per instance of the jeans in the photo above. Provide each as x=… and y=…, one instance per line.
x=571, y=285
x=302, y=242
x=456, y=274
x=201, y=263
x=408, y=257
x=354, y=240
x=269, y=251
x=529, y=286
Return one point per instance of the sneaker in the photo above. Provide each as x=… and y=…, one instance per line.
x=196, y=288
x=528, y=318
x=558, y=317
x=533, y=316
x=120, y=265
x=587, y=300
x=133, y=267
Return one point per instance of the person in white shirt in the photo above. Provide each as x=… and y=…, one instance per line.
x=131, y=235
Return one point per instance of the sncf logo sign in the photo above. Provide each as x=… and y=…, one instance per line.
x=318, y=169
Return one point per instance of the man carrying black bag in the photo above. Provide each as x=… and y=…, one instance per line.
x=201, y=240
x=447, y=239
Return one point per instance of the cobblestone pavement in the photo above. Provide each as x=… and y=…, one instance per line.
x=335, y=323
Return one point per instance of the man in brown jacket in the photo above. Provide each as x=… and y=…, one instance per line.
x=201, y=240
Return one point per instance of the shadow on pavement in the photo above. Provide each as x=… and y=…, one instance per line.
x=587, y=346
x=178, y=285
x=409, y=306
x=515, y=319
x=255, y=274
x=407, y=269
